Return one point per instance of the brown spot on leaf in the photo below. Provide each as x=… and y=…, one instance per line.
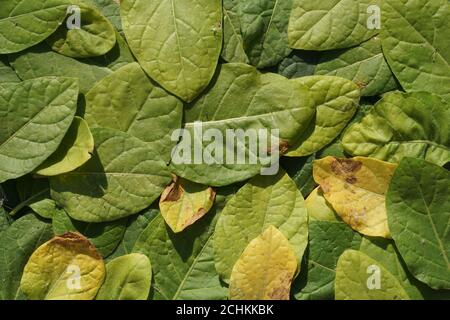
x=281, y=292
x=351, y=180
x=73, y=240
x=345, y=166
x=173, y=192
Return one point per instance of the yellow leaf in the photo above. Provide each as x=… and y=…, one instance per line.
x=265, y=269
x=183, y=202
x=356, y=188
x=67, y=267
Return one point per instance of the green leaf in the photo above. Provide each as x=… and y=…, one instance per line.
x=135, y=226
x=336, y=100
x=25, y=23
x=418, y=28
x=266, y=101
x=17, y=244
x=183, y=263
x=127, y=101
x=7, y=74
x=4, y=219
x=35, y=194
x=299, y=64
x=40, y=62
x=403, y=125
x=327, y=241
x=32, y=129
x=123, y=177
x=364, y=65
x=104, y=236
x=95, y=37
x=264, y=27
x=127, y=278
x=386, y=254
x=418, y=206
x=75, y=149
x=329, y=24
x=264, y=201
x=359, y=277
x=318, y=207
x=178, y=43
x=233, y=44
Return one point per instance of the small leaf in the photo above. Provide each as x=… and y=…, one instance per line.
x=94, y=37
x=184, y=202
x=265, y=269
x=127, y=278
x=74, y=151
x=356, y=188
x=67, y=267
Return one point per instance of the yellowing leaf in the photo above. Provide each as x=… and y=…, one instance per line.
x=67, y=267
x=265, y=269
x=359, y=277
x=74, y=151
x=356, y=188
x=318, y=208
x=183, y=202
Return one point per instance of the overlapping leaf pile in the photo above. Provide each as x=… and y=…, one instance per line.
x=94, y=208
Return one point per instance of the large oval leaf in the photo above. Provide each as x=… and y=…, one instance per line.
x=359, y=277
x=178, y=43
x=67, y=267
x=264, y=201
x=403, y=125
x=32, y=129
x=25, y=23
x=95, y=37
x=265, y=269
x=128, y=101
x=420, y=29
x=356, y=188
x=123, y=177
x=264, y=27
x=336, y=100
x=364, y=65
x=127, y=278
x=329, y=24
x=418, y=206
x=75, y=149
x=266, y=101
x=17, y=244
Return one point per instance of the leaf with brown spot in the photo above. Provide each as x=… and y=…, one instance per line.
x=67, y=267
x=265, y=269
x=356, y=188
x=184, y=202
